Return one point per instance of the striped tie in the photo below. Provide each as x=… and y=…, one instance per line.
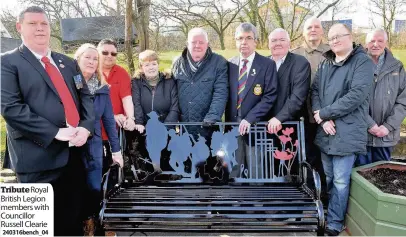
x=242, y=80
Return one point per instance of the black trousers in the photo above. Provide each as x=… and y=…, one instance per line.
x=68, y=184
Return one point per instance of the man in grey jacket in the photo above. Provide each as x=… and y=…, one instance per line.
x=340, y=103
x=387, y=104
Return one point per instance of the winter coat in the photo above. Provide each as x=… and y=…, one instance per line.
x=202, y=95
x=340, y=91
x=163, y=99
x=387, y=104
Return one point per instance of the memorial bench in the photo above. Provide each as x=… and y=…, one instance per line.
x=171, y=199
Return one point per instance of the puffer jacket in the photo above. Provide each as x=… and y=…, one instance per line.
x=387, y=105
x=202, y=95
x=340, y=91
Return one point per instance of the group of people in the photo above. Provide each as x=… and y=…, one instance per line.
x=63, y=115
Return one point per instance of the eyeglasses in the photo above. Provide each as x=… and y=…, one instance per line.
x=106, y=53
x=337, y=37
x=241, y=39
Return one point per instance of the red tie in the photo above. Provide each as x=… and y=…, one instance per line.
x=71, y=113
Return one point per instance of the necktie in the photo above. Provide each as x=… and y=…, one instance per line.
x=71, y=113
x=242, y=80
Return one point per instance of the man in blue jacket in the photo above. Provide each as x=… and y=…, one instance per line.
x=253, y=84
x=201, y=77
x=340, y=105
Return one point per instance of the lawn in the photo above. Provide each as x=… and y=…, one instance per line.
x=166, y=59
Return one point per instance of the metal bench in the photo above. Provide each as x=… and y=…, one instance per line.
x=171, y=199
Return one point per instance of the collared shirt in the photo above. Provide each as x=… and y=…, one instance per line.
x=39, y=57
x=279, y=62
x=381, y=61
x=249, y=63
x=314, y=56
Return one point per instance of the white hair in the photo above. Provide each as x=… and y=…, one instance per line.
x=277, y=30
x=373, y=32
x=197, y=31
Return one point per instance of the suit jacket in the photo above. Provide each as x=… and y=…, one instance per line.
x=261, y=90
x=294, y=82
x=34, y=112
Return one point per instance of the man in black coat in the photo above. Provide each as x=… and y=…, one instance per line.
x=253, y=88
x=294, y=74
x=49, y=114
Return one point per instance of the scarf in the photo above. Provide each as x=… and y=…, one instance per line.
x=93, y=84
x=195, y=65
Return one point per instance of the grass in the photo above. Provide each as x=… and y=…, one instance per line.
x=166, y=59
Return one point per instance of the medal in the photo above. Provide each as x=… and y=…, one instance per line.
x=257, y=89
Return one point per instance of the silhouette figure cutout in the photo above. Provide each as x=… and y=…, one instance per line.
x=200, y=153
x=156, y=139
x=180, y=147
x=225, y=145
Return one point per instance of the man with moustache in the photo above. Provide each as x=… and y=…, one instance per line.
x=253, y=92
x=340, y=93
x=49, y=114
x=387, y=103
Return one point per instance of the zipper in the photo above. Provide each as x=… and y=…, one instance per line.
x=153, y=95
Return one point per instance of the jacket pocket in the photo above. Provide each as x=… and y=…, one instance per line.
x=390, y=137
x=15, y=134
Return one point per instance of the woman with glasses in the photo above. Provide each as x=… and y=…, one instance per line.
x=88, y=61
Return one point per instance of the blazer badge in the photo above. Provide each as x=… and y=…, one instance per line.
x=257, y=89
x=78, y=81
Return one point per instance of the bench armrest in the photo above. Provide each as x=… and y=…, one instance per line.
x=316, y=178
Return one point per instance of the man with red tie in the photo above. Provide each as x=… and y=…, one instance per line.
x=253, y=83
x=49, y=114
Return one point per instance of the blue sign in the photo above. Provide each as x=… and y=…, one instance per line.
x=327, y=24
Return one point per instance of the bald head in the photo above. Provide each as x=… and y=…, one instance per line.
x=313, y=31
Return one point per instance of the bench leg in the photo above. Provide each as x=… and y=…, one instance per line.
x=320, y=231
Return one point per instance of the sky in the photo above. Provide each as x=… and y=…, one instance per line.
x=360, y=14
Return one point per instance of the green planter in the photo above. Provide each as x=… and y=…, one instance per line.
x=372, y=212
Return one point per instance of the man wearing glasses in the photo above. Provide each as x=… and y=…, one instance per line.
x=120, y=92
x=253, y=89
x=340, y=103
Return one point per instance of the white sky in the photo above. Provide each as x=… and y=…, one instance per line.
x=358, y=12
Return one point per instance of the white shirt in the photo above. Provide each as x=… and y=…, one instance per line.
x=279, y=62
x=39, y=57
x=249, y=63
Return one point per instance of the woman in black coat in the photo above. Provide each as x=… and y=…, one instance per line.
x=153, y=91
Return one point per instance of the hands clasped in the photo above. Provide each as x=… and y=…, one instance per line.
x=77, y=136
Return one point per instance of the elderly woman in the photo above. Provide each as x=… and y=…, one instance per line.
x=153, y=91
x=88, y=60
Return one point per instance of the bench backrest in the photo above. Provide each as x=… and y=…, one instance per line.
x=193, y=153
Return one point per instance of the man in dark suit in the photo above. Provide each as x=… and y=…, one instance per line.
x=49, y=114
x=253, y=89
x=294, y=74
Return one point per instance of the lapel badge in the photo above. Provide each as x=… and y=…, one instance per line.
x=78, y=81
x=257, y=89
x=254, y=72
x=61, y=65
x=60, y=60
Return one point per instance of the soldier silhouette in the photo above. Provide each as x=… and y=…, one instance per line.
x=156, y=139
x=200, y=153
x=180, y=147
x=224, y=146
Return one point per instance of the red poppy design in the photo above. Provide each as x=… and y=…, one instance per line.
x=282, y=155
x=288, y=131
x=285, y=139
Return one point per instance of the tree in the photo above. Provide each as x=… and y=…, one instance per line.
x=289, y=15
x=213, y=13
x=140, y=19
x=387, y=10
x=128, y=35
